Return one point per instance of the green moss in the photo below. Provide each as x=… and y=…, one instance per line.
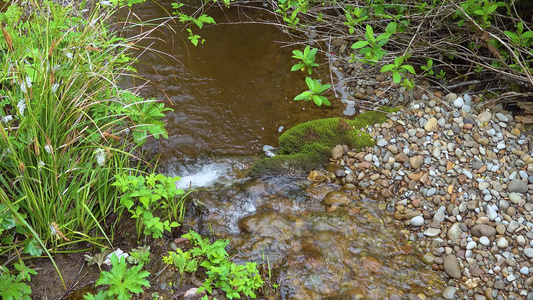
x=307, y=146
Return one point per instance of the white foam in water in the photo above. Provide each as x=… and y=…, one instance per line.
x=206, y=176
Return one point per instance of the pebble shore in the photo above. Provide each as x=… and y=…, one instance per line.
x=460, y=177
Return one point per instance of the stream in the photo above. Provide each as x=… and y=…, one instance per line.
x=231, y=96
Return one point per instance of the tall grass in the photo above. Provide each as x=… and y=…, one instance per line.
x=66, y=127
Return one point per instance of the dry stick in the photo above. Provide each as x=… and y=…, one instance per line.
x=330, y=66
x=526, y=71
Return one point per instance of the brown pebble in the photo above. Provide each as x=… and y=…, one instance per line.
x=415, y=176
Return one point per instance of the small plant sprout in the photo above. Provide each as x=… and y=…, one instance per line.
x=398, y=68
x=315, y=92
x=308, y=59
x=372, y=46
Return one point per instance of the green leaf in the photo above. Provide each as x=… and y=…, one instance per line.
x=479, y=12
x=322, y=88
x=317, y=100
x=11, y=289
x=303, y=96
x=360, y=44
x=491, y=9
x=298, y=54
x=387, y=68
x=31, y=248
x=398, y=61
x=520, y=27
x=391, y=28
x=297, y=67
x=397, y=77
x=369, y=33
x=409, y=68
x=310, y=83
x=122, y=281
x=527, y=35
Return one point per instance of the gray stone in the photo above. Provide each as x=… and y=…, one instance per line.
x=449, y=292
x=517, y=186
x=451, y=266
x=483, y=230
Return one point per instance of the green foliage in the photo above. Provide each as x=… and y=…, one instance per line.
x=235, y=280
x=139, y=255
x=13, y=287
x=398, y=68
x=142, y=196
x=66, y=124
x=521, y=38
x=482, y=9
x=355, y=16
x=372, y=47
x=315, y=92
x=307, y=146
x=123, y=282
x=308, y=59
x=199, y=21
x=428, y=68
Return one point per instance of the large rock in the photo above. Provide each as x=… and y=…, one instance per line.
x=483, y=230
x=517, y=186
x=307, y=146
x=337, y=152
x=336, y=197
x=451, y=266
x=454, y=232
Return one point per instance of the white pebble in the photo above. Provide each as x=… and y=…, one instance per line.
x=524, y=270
x=471, y=245
x=417, y=221
x=503, y=243
x=484, y=240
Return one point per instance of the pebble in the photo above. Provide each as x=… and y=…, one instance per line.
x=517, y=186
x=451, y=267
x=458, y=103
x=528, y=252
x=484, y=241
x=417, y=221
x=430, y=124
x=502, y=243
x=449, y=292
x=462, y=179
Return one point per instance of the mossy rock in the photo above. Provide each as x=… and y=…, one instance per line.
x=307, y=146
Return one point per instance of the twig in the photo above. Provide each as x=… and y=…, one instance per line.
x=330, y=66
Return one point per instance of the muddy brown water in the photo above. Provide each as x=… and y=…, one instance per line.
x=231, y=96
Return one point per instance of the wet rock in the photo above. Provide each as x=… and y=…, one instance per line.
x=449, y=292
x=316, y=176
x=336, y=197
x=451, y=266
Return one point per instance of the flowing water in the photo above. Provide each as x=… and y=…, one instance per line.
x=231, y=96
